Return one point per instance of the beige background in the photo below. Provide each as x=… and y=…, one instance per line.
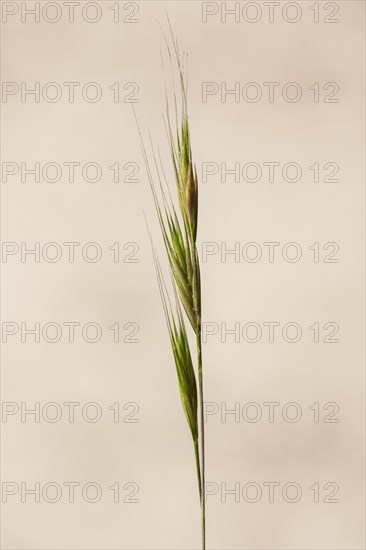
x=156, y=453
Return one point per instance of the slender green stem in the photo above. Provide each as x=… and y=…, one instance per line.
x=198, y=467
x=200, y=378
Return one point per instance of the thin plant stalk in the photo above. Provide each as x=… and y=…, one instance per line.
x=198, y=467
x=202, y=424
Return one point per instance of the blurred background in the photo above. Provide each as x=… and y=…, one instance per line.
x=297, y=393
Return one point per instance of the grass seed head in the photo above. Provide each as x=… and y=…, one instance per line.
x=181, y=353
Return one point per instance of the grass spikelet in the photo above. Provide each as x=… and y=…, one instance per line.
x=181, y=353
